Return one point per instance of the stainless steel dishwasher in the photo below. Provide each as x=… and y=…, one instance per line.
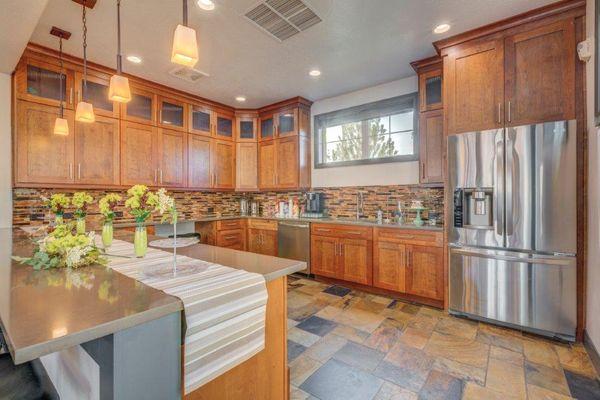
x=293, y=241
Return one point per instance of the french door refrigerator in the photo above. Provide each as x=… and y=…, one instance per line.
x=513, y=232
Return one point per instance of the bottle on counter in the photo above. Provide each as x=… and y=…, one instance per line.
x=379, y=216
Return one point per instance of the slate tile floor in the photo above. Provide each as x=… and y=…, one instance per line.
x=349, y=345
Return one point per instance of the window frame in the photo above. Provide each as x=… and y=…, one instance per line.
x=319, y=143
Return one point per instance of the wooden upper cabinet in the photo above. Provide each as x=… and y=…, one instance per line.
x=267, y=127
x=287, y=122
x=389, y=266
x=246, y=166
x=142, y=106
x=431, y=146
x=474, y=86
x=172, y=158
x=430, y=90
x=41, y=156
x=425, y=272
x=286, y=175
x=247, y=129
x=266, y=164
x=223, y=161
x=224, y=125
x=356, y=260
x=97, y=151
x=172, y=113
x=324, y=256
x=201, y=120
x=39, y=82
x=200, y=160
x=540, y=74
x=138, y=154
x=96, y=94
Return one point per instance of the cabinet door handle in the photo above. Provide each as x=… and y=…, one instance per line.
x=509, y=112
x=155, y=175
x=79, y=95
x=71, y=96
x=161, y=176
x=335, y=250
x=499, y=113
x=423, y=170
x=70, y=170
x=78, y=170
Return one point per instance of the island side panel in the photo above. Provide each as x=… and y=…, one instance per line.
x=264, y=376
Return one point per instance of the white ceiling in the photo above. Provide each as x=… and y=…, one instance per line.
x=360, y=43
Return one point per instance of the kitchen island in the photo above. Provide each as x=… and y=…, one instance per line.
x=116, y=337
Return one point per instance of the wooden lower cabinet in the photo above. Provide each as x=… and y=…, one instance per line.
x=389, y=260
x=425, y=272
x=262, y=241
x=232, y=239
x=341, y=258
x=323, y=258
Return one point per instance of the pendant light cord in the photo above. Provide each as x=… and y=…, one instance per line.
x=185, y=13
x=60, y=55
x=119, y=66
x=83, y=18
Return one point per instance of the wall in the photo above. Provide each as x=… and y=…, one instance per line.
x=403, y=173
x=5, y=152
x=593, y=245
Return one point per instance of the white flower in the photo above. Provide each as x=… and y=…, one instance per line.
x=74, y=256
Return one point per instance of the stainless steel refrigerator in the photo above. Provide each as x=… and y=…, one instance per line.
x=513, y=231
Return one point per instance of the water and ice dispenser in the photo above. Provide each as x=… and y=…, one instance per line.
x=473, y=208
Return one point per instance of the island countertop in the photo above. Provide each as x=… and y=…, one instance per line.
x=42, y=312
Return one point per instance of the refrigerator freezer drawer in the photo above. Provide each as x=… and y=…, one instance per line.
x=537, y=293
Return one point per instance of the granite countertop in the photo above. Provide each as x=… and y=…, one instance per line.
x=326, y=220
x=42, y=312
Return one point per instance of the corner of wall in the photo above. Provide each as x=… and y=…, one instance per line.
x=5, y=152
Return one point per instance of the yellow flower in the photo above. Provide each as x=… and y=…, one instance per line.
x=81, y=199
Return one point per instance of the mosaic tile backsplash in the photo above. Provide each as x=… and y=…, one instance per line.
x=28, y=208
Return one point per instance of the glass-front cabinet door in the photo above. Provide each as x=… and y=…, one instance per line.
x=172, y=113
x=40, y=82
x=267, y=127
x=97, y=94
x=430, y=90
x=287, y=122
x=224, y=126
x=246, y=129
x=201, y=120
x=142, y=106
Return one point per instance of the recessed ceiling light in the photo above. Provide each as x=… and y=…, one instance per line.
x=314, y=72
x=134, y=59
x=207, y=5
x=441, y=28
x=241, y=99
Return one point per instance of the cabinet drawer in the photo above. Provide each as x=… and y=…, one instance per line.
x=265, y=224
x=342, y=231
x=418, y=237
x=230, y=224
x=233, y=238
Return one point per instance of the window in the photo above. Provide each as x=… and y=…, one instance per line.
x=383, y=131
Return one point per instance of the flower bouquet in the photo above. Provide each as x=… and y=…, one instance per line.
x=140, y=204
x=57, y=204
x=107, y=205
x=81, y=200
x=62, y=248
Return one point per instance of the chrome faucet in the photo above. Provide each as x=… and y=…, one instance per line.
x=360, y=203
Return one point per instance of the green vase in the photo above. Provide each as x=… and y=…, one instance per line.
x=80, y=226
x=107, y=234
x=58, y=219
x=140, y=241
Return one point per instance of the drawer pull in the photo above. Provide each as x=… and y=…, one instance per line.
x=354, y=233
x=323, y=230
x=231, y=237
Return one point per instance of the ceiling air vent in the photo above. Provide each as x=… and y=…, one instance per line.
x=283, y=19
x=187, y=74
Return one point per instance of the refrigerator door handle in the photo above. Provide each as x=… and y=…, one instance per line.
x=499, y=190
x=550, y=260
x=510, y=173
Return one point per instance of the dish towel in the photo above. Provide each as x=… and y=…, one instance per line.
x=224, y=308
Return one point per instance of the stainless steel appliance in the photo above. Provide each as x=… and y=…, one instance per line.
x=254, y=208
x=244, y=206
x=315, y=202
x=293, y=241
x=513, y=238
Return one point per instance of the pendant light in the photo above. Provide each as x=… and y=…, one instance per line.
x=185, y=46
x=119, y=85
x=61, y=125
x=84, y=111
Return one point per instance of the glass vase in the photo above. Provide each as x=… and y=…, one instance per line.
x=140, y=241
x=58, y=219
x=80, y=226
x=107, y=234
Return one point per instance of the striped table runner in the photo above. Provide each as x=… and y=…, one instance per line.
x=224, y=308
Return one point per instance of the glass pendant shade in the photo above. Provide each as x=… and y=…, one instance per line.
x=119, y=89
x=185, y=46
x=84, y=112
x=61, y=127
